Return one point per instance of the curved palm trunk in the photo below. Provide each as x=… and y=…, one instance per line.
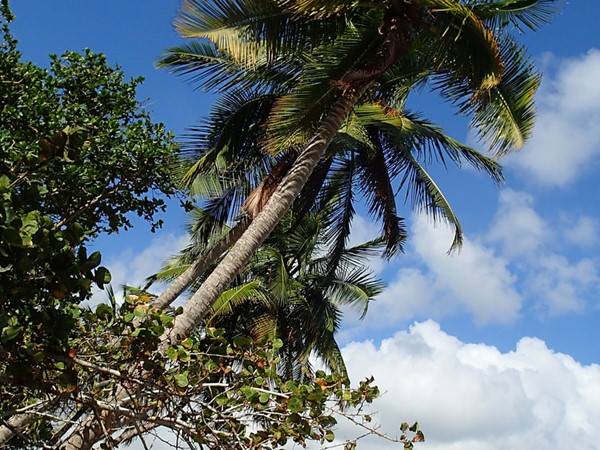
x=353, y=84
x=239, y=255
x=251, y=207
x=183, y=281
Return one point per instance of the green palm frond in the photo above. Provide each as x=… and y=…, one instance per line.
x=465, y=46
x=356, y=288
x=313, y=196
x=505, y=120
x=174, y=267
x=229, y=138
x=318, y=9
x=213, y=69
x=279, y=276
x=236, y=296
x=296, y=116
x=339, y=213
x=405, y=130
x=356, y=256
x=529, y=13
x=428, y=197
x=377, y=189
x=228, y=24
x=253, y=30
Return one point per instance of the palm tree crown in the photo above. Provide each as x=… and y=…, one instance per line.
x=327, y=63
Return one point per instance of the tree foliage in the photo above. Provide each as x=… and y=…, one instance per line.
x=78, y=155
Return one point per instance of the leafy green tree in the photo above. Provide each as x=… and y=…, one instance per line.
x=78, y=156
x=210, y=391
x=341, y=56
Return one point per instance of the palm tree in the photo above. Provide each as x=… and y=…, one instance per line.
x=369, y=51
x=337, y=53
x=233, y=176
x=292, y=290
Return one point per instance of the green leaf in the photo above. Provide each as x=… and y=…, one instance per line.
x=182, y=380
x=11, y=332
x=295, y=404
x=183, y=355
x=102, y=277
x=242, y=342
x=172, y=353
x=127, y=318
x=94, y=260
x=104, y=311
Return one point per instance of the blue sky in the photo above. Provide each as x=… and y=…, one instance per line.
x=494, y=347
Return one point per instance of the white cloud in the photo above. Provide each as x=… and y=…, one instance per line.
x=476, y=279
x=429, y=283
x=566, y=140
x=472, y=396
x=518, y=226
x=581, y=231
x=555, y=283
x=131, y=268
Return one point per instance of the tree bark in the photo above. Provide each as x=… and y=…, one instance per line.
x=85, y=436
x=183, y=281
x=17, y=422
x=264, y=223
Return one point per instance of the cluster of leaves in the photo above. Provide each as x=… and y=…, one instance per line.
x=77, y=154
x=210, y=390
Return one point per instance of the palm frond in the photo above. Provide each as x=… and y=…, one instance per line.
x=236, y=296
x=529, y=13
x=428, y=197
x=506, y=118
x=378, y=191
x=251, y=30
x=212, y=69
x=340, y=211
x=229, y=138
x=296, y=116
x=317, y=9
x=356, y=288
x=465, y=46
x=405, y=130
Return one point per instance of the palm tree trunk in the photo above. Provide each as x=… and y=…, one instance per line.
x=183, y=281
x=260, y=228
x=251, y=207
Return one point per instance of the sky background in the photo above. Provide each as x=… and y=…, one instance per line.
x=493, y=348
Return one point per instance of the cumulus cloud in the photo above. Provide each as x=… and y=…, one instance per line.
x=566, y=140
x=581, y=231
x=476, y=281
x=556, y=284
x=517, y=226
x=472, y=396
x=132, y=268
